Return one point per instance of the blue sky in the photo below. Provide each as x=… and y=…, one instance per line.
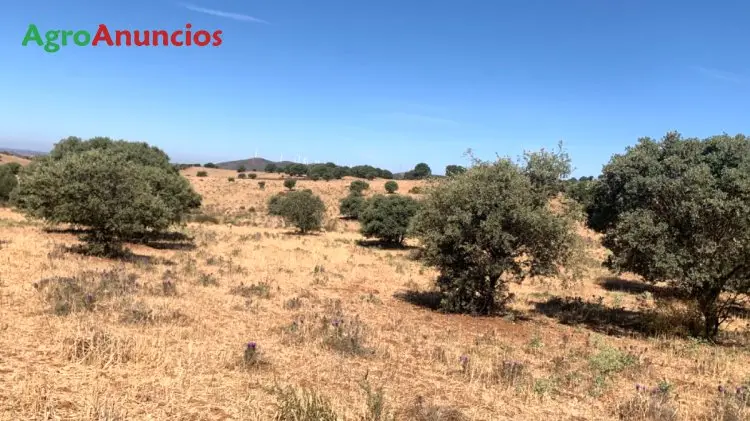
x=388, y=83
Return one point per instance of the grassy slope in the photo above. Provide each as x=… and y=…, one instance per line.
x=183, y=362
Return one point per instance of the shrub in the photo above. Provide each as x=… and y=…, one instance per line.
x=486, y=227
x=230, y=179
x=678, y=210
x=302, y=209
x=252, y=176
x=547, y=169
x=14, y=167
x=290, y=183
x=351, y=205
x=118, y=189
x=262, y=185
x=242, y=176
x=391, y=186
x=271, y=168
x=201, y=174
x=416, y=190
x=358, y=186
x=8, y=182
x=210, y=165
x=452, y=170
x=241, y=169
x=387, y=217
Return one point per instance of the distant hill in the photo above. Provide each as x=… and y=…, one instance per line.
x=23, y=153
x=257, y=164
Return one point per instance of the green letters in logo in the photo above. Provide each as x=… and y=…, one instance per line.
x=53, y=40
x=32, y=34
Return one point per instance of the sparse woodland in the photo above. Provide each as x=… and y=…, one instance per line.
x=134, y=289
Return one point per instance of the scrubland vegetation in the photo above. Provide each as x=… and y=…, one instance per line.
x=132, y=288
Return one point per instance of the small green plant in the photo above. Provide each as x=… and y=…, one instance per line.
x=346, y=336
x=262, y=185
x=416, y=190
x=252, y=176
x=206, y=279
x=261, y=289
x=391, y=187
x=377, y=408
x=201, y=174
x=230, y=179
x=242, y=176
x=289, y=183
x=358, y=186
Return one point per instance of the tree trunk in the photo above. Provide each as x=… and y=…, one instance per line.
x=707, y=305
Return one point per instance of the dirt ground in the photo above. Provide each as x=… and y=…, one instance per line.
x=166, y=340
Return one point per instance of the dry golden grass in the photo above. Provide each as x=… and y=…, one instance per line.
x=176, y=353
x=7, y=159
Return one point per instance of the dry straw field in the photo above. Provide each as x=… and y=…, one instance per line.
x=167, y=335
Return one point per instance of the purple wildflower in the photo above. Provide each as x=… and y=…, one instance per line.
x=721, y=389
x=638, y=387
x=252, y=345
x=336, y=322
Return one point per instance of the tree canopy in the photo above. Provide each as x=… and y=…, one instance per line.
x=487, y=226
x=678, y=210
x=118, y=189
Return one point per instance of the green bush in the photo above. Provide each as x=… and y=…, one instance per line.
x=252, y=176
x=351, y=205
x=289, y=183
x=452, y=170
x=241, y=169
x=230, y=179
x=8, y=182
x=391, y=186
x=487, y=226
x=387, y=218
x=302, y=209
x=14, y=167
x=117, y=189
x=358, y=186
x=211, y=165
x=416, y=190
x=202, y=174
x=242, y=176
x=262, y=185
x=678, y=210
x=274, y=204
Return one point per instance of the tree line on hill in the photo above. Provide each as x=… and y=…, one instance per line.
x=674, y=210
x=331, y=171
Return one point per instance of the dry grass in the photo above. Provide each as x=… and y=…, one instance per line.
x=8, y=158
x=166, y=333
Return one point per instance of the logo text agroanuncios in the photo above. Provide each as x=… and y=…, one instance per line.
x=53, y=40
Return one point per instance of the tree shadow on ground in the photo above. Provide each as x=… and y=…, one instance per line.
x=425, y=299
x=384, y=245
x=125, y=256
x=297, y=233
x=169, y=240
x=430, y=300
x=596, y=316
x=637, y=287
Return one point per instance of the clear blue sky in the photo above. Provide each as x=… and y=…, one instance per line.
x=389, y=82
